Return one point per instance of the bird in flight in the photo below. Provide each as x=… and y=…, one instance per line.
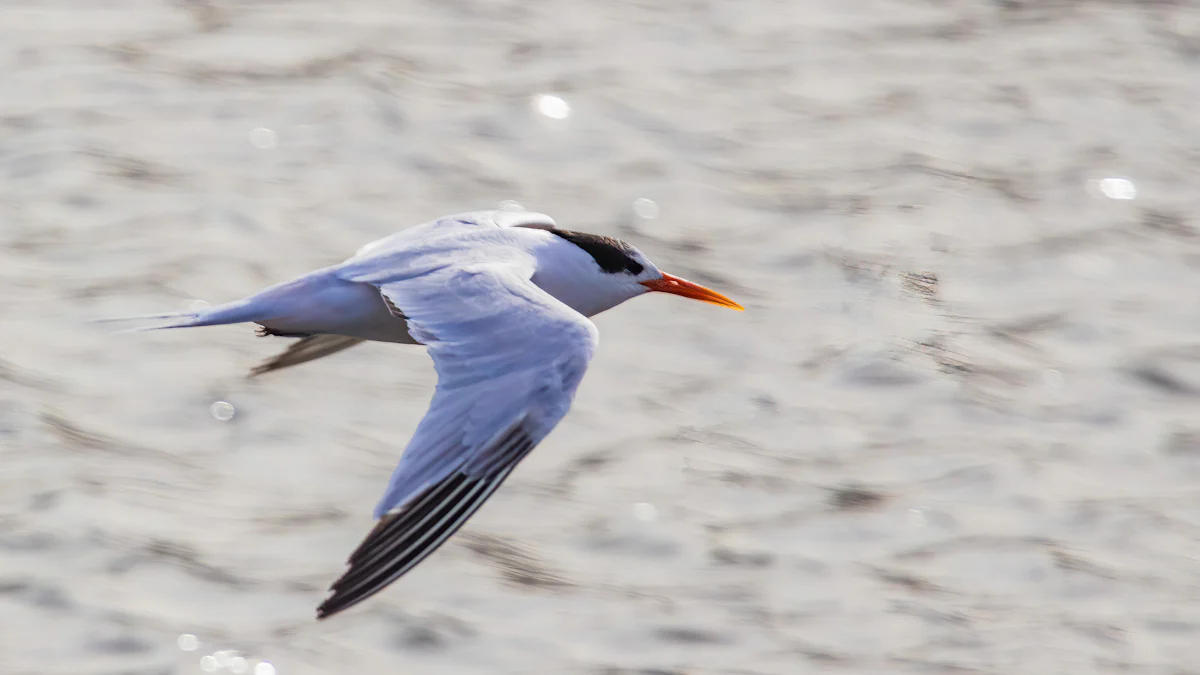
x=500, y=300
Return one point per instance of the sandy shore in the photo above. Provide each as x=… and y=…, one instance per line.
x=955, y=432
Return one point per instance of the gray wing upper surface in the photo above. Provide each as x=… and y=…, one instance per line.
x=320, y=345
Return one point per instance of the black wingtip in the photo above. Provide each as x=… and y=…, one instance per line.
x=403, y=538
x=335, y=602
x=329, y=607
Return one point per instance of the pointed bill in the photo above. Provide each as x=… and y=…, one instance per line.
x=676, y=286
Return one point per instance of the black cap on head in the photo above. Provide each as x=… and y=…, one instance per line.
x=612, y=255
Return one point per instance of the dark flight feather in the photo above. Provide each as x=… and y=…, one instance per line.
x=402, y=539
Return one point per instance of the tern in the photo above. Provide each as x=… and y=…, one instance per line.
x=501, y=301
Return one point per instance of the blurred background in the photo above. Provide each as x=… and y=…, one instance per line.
x=955, y=431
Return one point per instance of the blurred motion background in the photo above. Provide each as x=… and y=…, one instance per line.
x=955, y=431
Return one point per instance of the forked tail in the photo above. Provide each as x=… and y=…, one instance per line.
x=238, y=311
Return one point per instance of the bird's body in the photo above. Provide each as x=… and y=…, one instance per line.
x=501, y=301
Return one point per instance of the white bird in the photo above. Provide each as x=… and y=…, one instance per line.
x=500, y=299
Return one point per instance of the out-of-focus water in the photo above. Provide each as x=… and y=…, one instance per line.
x=955, y=431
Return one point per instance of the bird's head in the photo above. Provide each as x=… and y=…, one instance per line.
x=605, y=272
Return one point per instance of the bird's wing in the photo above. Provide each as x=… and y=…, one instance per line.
x=456, y=223
x=509, y=358
x=305, y=350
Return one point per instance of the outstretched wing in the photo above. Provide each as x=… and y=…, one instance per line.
x=509, y=358
x=304, y=350
x=449, y=225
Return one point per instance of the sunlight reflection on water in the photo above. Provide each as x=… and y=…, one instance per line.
x=551, y=106
x=1118, y=188
x=263, y=138
x=646, y=208
x=223, y=410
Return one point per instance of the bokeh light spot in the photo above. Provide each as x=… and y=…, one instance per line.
x=223, y=410
x=264, y=138
x=1118, y=188
x=645, y=511
x=551, y=106
x=645, y=208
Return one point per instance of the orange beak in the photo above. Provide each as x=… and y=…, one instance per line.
x=676, y=286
